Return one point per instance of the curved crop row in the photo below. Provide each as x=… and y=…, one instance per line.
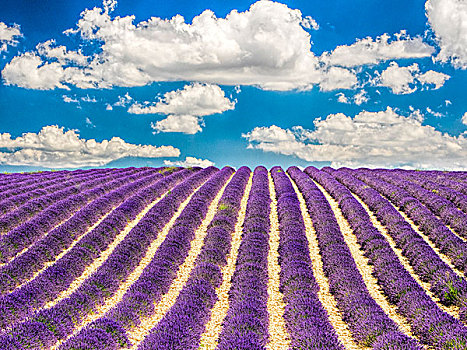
x=446, y=284
x=40, y=188
x=60, y=208
x=23, y=213
x=45, y=250
x=396, y=282
x=192, y=306
x=155, y=278
x=50, y=283
x=454, y=182
x=368, y=323
x=16, y=183
x=306, y=319
x=445, y=209
x=457, y=198
x=246, y=323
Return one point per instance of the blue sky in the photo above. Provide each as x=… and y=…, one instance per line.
x=377, y=84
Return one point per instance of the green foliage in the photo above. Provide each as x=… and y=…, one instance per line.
x=169, y=170
x=50, y=326
x=452, y=294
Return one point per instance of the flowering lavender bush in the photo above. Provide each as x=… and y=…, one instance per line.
x=307, y=320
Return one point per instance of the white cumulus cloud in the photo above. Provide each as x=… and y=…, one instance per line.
x=448, y=19
x=194, y=99
x=434, y=113
x=373, y=139
x=433, y=77
x=187, y=124
x=190, y=162
x=399, y=79
x=268, y=46
x=186, y=107
x=61, y=54
x=342, y=98
x=359, y=98
x=338, y=78
x=402, y=80
x=29, y=71
x=372, y=51
x=464, y=119
x=54, y=147
x=69, y=99
x=8, y=36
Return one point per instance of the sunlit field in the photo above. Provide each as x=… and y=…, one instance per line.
x=193, y=258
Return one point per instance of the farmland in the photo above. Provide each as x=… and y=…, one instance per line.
x=192, y=258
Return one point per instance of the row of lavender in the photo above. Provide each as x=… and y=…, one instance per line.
x=306, y=319
x=446, y=283
x=47, y=248
x=198, y=296
x=47, y=326
x=428, y=322
x=22, y=226
x=26, y=324
x=110, y=330
x=44, y=199
x=19, y=304
x=246, y=322
x=369, y=324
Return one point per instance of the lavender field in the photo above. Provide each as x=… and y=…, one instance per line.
x=192, y=258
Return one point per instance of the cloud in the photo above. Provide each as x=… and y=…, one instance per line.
x=432, y=77
x=372, y=51
x=433, y=113
x=194, y=99
x=399, y=79
x=89, y=123
x=61, y=54
x=88, y=99
x=69, y=99
x=123, y=101
x=8, y=36
x=448, y=19
x=402, y=80
x=266, y=46
x=309, y=23
x=337, y=78
x=190, y=162
x=342, y=98
x=373, y=139
x=74, y=99
x=186, y=107
x=29, y=71
x=464, y=119
x=187, y=124
x=359, y=98
x=54, y=147
x=109, y=5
